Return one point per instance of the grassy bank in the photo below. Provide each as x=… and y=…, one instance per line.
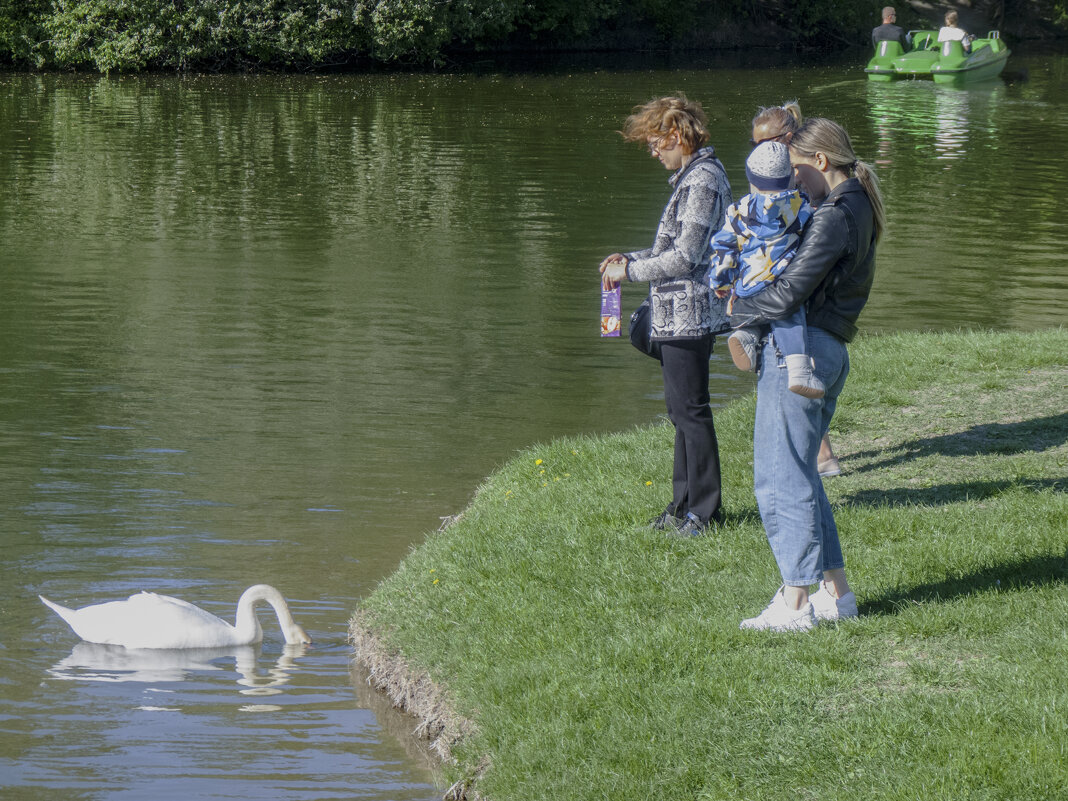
x=573, y=654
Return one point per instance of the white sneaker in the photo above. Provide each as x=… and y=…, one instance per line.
x=827, y=607
x=779, y=617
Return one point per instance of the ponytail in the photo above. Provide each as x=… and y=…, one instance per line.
x=870, y=181
x=818, y=134
x=784, y=119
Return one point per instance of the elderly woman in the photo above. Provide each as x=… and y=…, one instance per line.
x=831, y=275
x=685, y=314
x=779, y=124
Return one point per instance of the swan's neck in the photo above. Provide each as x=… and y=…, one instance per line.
x=247, y=621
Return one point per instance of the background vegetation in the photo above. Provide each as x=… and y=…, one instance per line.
x=133, y=35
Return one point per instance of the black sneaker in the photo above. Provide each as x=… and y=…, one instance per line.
x=694, y=526
x=665, y=521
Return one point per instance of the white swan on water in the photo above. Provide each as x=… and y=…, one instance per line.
x=148, y=620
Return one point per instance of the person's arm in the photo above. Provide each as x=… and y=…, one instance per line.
x=699, y=212
x=825, y=241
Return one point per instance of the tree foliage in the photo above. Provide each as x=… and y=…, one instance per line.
x=132, y=35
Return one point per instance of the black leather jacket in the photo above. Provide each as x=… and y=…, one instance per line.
x=832, y=272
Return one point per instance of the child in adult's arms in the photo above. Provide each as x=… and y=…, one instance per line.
x=753, y=248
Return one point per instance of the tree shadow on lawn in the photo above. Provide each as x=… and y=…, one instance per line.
x=950, y=493
x=1035, y=571
x=1035, y=435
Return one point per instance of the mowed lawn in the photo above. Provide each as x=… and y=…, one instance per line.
x=575, y=654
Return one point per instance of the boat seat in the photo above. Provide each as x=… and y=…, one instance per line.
x=952, y=49
x=889, y=49
x=924, y=40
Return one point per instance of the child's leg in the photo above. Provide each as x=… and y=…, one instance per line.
x=791, y=334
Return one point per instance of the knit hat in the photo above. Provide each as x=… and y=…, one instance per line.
x=768, y=167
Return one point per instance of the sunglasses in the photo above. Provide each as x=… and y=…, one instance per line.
x=755, y=142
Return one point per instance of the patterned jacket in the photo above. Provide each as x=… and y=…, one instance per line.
x=676, y=266
x=758, y=240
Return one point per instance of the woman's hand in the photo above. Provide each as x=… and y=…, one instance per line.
x=614, y=270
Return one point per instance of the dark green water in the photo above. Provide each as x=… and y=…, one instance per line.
x=271, y=329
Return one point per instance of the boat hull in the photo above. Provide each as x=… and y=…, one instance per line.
x=945, y=62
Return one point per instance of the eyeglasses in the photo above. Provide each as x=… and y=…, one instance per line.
x=658, y=145
x=755, y=142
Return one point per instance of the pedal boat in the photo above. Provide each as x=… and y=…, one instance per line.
x=945, y=62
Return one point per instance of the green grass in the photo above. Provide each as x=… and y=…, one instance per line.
x=601, y=660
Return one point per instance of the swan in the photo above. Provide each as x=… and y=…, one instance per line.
x=148, y=620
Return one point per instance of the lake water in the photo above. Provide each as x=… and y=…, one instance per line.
x=272, y=329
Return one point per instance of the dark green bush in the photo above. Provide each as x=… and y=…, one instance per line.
x=132, y=35
x=139, y=34
x=21, y=36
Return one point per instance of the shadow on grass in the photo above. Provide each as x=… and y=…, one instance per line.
x=1035, y=435
x=1036, y=571
x=950, y=493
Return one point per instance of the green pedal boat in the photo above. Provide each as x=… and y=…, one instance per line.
x=945, y=62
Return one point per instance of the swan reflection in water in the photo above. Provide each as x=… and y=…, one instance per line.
x=113, y=663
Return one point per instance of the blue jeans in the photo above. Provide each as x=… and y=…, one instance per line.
x=786, y=440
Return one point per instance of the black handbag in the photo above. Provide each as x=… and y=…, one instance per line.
x=641, y=330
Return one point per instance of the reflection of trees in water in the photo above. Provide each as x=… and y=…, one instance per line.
x=968, y=191
x=294, y=265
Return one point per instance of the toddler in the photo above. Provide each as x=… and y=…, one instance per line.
x=758, y=240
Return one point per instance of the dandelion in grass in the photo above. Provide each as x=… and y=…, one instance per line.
x=537, y=462
x=648, y=483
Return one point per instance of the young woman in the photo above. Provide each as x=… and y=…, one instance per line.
x=831, y=274
x=685, y=314
x=779, y=124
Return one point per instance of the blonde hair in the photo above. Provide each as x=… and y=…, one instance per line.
x=951, y=18
x=664, y=115
x=784, y=119
x=819, y=135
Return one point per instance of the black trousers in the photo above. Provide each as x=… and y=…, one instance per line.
x=696, y=478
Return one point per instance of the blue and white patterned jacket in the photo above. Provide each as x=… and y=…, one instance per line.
x=759, y=239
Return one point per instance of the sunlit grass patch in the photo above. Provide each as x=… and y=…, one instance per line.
x=599, y=659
